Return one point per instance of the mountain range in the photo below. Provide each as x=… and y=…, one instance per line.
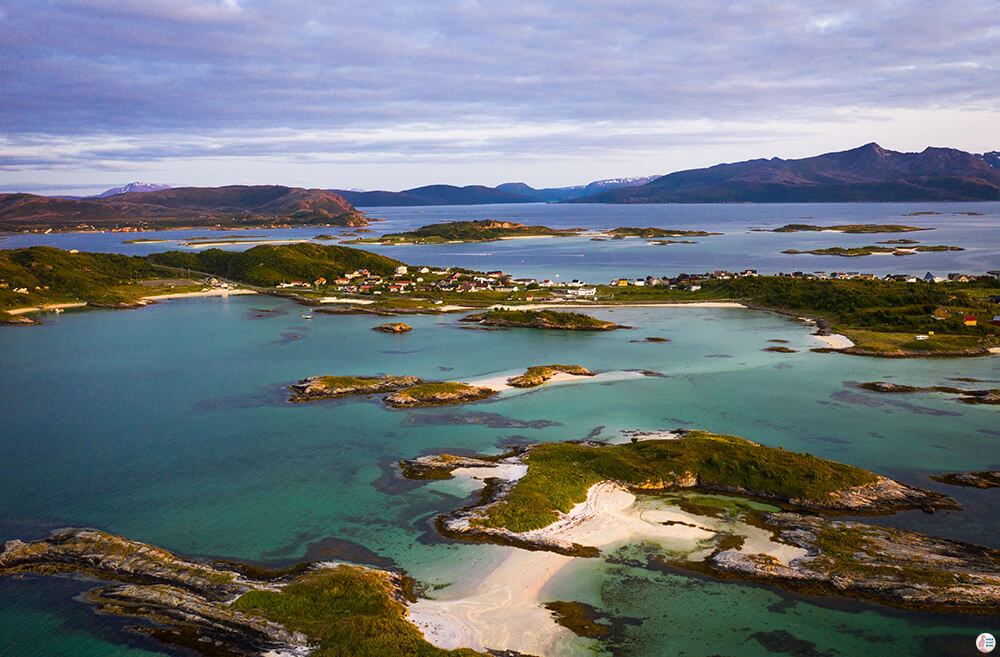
x=481, y=195
x=235, y=205
x=868, y=173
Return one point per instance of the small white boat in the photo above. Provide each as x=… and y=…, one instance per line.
x=305, y=316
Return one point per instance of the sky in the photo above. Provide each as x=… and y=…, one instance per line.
x=396, y=94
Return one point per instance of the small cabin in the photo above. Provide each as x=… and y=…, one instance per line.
x=996, y=320
x=940, y=313
x=969, y=320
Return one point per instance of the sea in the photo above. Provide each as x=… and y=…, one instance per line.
x=170, y=425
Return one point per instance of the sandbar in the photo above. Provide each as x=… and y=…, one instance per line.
x=835, y=340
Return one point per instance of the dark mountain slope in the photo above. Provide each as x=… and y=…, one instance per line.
x=868, y=173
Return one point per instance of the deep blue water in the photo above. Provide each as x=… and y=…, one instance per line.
x=597, y=262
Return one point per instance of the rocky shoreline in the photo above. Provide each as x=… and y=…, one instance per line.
x=893, y=566
x=158, y=586
x=982, y=479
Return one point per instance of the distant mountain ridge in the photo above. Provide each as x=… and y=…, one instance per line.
x=235, y=205
x=868, y=173
x=482, y=195
x=133, y=187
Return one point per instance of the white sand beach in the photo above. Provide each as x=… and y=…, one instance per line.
x=500, y=608
x=48, y=306
x=835, y=340
x=214, y=292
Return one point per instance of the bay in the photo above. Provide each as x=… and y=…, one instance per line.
x=168, y=425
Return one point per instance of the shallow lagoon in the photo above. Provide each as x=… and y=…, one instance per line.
x=168, y=425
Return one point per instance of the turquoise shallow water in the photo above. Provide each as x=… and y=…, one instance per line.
x=168, y=425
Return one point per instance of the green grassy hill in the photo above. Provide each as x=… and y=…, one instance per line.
x=268, y=265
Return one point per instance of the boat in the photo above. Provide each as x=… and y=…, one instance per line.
x=305, y=316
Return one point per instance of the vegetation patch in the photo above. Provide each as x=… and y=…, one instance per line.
x=393, y=327
x=989, y=396
x=348, y=612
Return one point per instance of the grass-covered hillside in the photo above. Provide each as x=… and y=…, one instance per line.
x=50, y=275
x=268, y=265
x=559, y=474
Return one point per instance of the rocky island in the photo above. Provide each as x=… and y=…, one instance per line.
x=226, y=608
x=536, y=376
x=393, y=327
x=327, y=387
x=406, y=391
x=858, y=251
x=542, y=319
x=990, y=396
x=649, y=233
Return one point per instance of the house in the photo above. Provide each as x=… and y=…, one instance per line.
x=582, y=292
x=402, y=270
x=958, y=278
x=940, y=313
x=640, y=282
x=995, y=298
x=425, y=270
x=993, y=273
x=969, y=320
x=320, y=281
x=621, y=282
x=695, y=288
x=996, y=320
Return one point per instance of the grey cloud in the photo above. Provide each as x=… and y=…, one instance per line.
x=198, y=67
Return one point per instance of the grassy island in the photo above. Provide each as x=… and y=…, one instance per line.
x=847, y=228
x=543, y=319
x=484, y=230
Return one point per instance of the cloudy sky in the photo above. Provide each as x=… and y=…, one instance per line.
x=381, y=94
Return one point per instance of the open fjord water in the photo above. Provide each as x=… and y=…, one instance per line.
x=741, y=245
x=169, y=425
